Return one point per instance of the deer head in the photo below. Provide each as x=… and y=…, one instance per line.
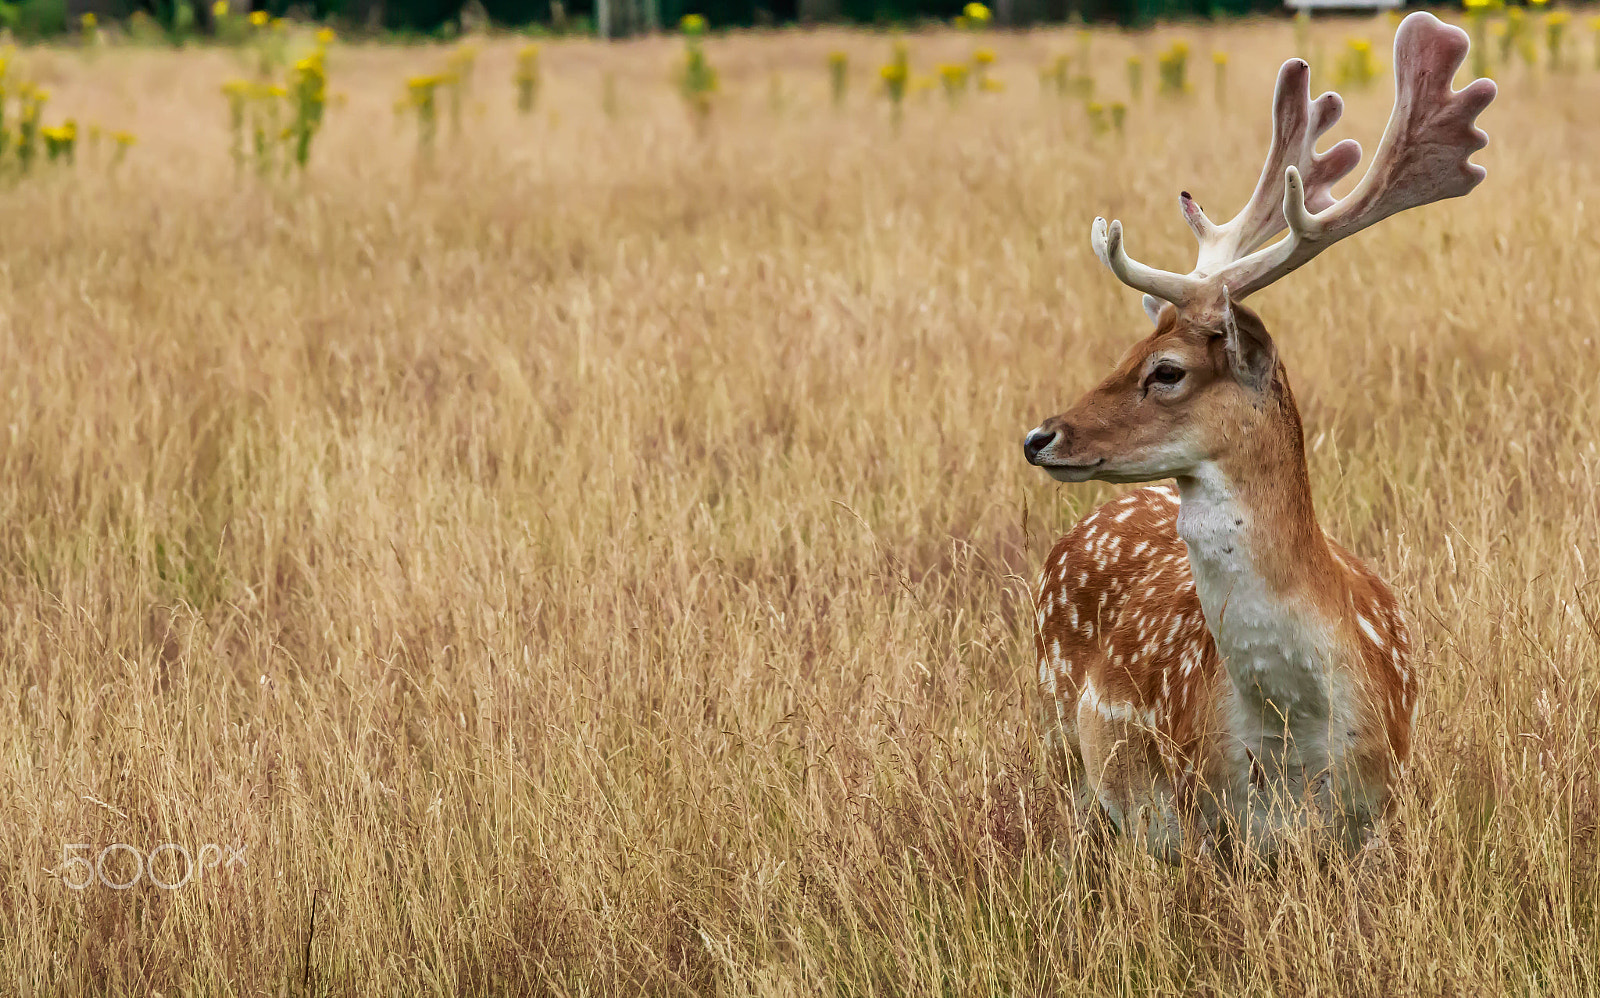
x=1209, y=374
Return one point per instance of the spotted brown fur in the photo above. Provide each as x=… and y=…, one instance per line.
x=1124, y=654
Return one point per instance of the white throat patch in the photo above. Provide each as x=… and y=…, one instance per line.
x=1276, y=651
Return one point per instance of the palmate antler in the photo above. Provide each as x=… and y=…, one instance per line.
x=1423, y=157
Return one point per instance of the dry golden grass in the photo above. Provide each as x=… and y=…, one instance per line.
x=600, y=567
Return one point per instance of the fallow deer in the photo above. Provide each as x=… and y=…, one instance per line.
x=1222, y=669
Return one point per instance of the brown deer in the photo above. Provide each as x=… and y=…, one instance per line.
x=1226, y=672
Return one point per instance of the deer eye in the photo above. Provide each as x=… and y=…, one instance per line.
x=1164, y=374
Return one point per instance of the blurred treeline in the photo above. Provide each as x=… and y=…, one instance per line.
x=36, y=18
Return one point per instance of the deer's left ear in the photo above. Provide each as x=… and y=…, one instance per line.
x=1252, y=356
x=1153, y=307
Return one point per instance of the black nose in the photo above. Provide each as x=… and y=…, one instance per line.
x=1035, y=442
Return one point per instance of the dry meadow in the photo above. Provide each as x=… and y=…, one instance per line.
x=597, y=563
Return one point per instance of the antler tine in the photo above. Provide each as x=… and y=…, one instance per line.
x=1162, y=284
x=1425, y=156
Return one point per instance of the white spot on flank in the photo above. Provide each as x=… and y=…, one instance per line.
x=1371, y=631
x=1123, y=515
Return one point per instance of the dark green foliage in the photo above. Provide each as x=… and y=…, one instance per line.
x=519, y=13
x=32, y=19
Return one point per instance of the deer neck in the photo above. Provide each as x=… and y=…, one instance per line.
x=1264, y=572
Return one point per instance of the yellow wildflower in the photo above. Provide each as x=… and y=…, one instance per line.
x=422, y=87
x=259, y=18
x=693, y=24
x=976, y=12
x=220, y=8
x=983, y=56
x=325, y=36
x=58, y=141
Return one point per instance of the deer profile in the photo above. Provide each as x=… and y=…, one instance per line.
x=1222, y=669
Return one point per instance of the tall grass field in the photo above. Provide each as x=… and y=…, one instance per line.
x=591, y=554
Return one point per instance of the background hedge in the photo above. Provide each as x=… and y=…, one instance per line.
x=427, y=16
